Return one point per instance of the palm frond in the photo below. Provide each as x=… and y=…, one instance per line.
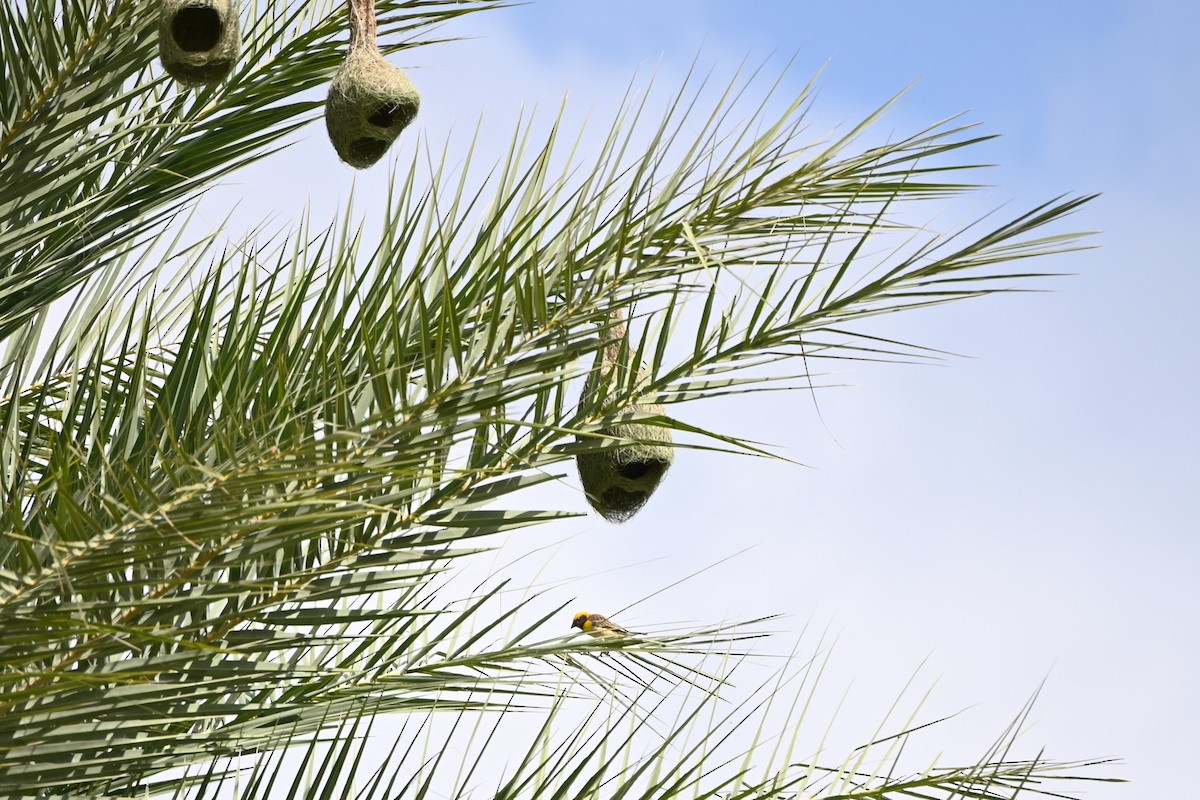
x=98, y=149
x=707, y=748
x=210, y=488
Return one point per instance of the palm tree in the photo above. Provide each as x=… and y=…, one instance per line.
x=238, y=476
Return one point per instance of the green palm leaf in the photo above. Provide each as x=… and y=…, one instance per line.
x=230, y=512
x=99, y=149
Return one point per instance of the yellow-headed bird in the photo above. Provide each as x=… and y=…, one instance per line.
x=598, y=625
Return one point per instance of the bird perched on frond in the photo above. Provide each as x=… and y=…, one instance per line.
x=598, y=625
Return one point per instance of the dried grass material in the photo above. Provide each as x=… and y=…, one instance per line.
x=618, y=480
x=369, y=103
x=198, y=40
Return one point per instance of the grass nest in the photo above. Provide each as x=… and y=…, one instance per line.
x=198, y=40
x=618, y=478
x=370, y=103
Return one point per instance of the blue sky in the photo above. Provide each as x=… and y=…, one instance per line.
x=1027, y=511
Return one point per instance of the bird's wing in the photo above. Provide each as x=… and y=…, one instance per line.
x=601, y=621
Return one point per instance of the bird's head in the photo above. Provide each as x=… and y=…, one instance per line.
x=580, y=620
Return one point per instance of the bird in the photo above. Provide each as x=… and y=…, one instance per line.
x=598, y=625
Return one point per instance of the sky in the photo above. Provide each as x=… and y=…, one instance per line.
x=1023, y=512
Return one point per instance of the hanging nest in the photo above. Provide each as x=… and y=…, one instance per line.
x=198, y=40
x=370, y=102
x=618, y=480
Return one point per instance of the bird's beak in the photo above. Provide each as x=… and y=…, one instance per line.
x=577, y=623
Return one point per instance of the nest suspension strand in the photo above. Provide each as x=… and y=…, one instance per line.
x=370, y=102
x=198, y=40
x=618, y=480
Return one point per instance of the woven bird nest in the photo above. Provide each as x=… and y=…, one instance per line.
x=198, y=40
x=619, y=479
x=370, y=101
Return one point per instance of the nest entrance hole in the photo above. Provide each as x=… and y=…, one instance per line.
x=367, y=149
x=642, y=468
x=384, y=116
x=196, y=29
